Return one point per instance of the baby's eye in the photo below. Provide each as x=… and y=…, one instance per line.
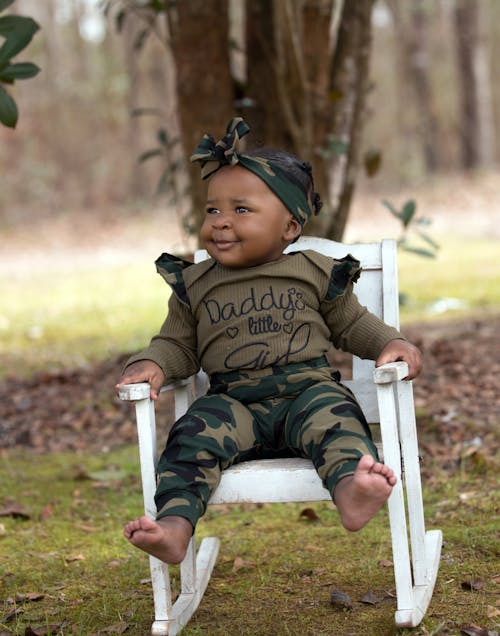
x=241, y=209
x=212, y=211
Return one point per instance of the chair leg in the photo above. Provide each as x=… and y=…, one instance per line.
x=196, y=570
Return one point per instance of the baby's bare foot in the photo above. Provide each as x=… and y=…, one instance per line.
x=359, y=496
x=166, y=539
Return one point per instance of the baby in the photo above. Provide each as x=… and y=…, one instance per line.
x=260, y=324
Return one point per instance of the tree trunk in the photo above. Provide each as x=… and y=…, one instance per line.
x=349, y=85
x=199, y=34
x=477, y=128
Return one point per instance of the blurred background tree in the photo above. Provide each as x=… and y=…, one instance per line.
x=402, y=90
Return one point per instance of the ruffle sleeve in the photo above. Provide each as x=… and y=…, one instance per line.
x=345, y=271
x=171, y=269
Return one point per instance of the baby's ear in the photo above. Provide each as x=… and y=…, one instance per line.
x=293, y=230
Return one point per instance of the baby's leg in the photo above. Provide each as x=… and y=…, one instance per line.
x=326, y=424
x=359, y=496
x=167, y=539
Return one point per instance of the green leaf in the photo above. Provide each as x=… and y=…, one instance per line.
x=164, y=183
x=18, y=32
x=418, y=250
x=19, y=71
x=430, y=241
x=391, y=209
x=8, y=109
x=5, y=3
x=137, y=112
x=372, y=161
x=408, y=212
x=149, y=154
x=162, y=136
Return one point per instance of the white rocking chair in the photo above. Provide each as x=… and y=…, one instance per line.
x=384, y=398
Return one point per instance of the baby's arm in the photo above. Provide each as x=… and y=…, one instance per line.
x=144, y=371
x=402, y=350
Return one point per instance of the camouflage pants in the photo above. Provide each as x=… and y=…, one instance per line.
x=300, y=410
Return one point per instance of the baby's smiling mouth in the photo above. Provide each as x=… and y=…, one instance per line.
x=223, y=243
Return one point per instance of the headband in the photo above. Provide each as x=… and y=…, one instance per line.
x=213, y=156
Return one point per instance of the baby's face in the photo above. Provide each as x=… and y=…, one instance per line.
x=245, y=223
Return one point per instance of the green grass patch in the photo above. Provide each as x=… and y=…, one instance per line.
x=66, y=563
x=462, y=280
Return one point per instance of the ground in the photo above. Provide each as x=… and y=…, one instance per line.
x=456, y=396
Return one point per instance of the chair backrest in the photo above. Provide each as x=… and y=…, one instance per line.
x=376, y=289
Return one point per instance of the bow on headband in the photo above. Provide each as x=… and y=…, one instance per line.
x=213, y=156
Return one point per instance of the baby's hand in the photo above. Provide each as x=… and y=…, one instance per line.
x=405, y=351
x=143, y=371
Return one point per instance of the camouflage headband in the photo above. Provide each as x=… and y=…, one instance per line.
x=213, y=156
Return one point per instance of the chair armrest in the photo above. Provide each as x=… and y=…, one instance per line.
x=134, y=392
x=390, y=372
x=141, y=390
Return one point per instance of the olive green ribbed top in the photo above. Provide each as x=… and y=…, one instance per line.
x=278, y=313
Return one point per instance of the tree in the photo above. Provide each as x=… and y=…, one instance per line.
x=411, y=28
x=17, y=32
x=305, y=88
x=477, y=122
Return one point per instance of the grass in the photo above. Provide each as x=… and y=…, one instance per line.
x=71, y=317
x=68, y=565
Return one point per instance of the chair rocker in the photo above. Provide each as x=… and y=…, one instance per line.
x=384, y=398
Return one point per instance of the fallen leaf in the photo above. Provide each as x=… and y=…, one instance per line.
x=46, y=513
x=113, y=564
x=370, y=599
x=110, y=474
x=12, y=614
x=77, y=557
x=15, y=511
x=44, y=630
x=309, y=514
x=30, y=596
x=239, y=563
x=492, y=612
x=117, y=628
x=314, y=548
x=340, y=600
x=385, y=563
x=472, y=585
x=86, y=528
x=474, y=630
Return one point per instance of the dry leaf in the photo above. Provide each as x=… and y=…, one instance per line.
x=46, y=513
x=314, y=548
x=239, y=563
x=30, y=596
x=472, y=585
x=77, y=557
x=340, y=600
x=44, y=630
x=86, y=528
x=370, y=599
x=14, y=510
x=474, y=630
x=117, y=628
x=12, y=614
x=309, y=514
x=492, y=612
x=385, y=563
